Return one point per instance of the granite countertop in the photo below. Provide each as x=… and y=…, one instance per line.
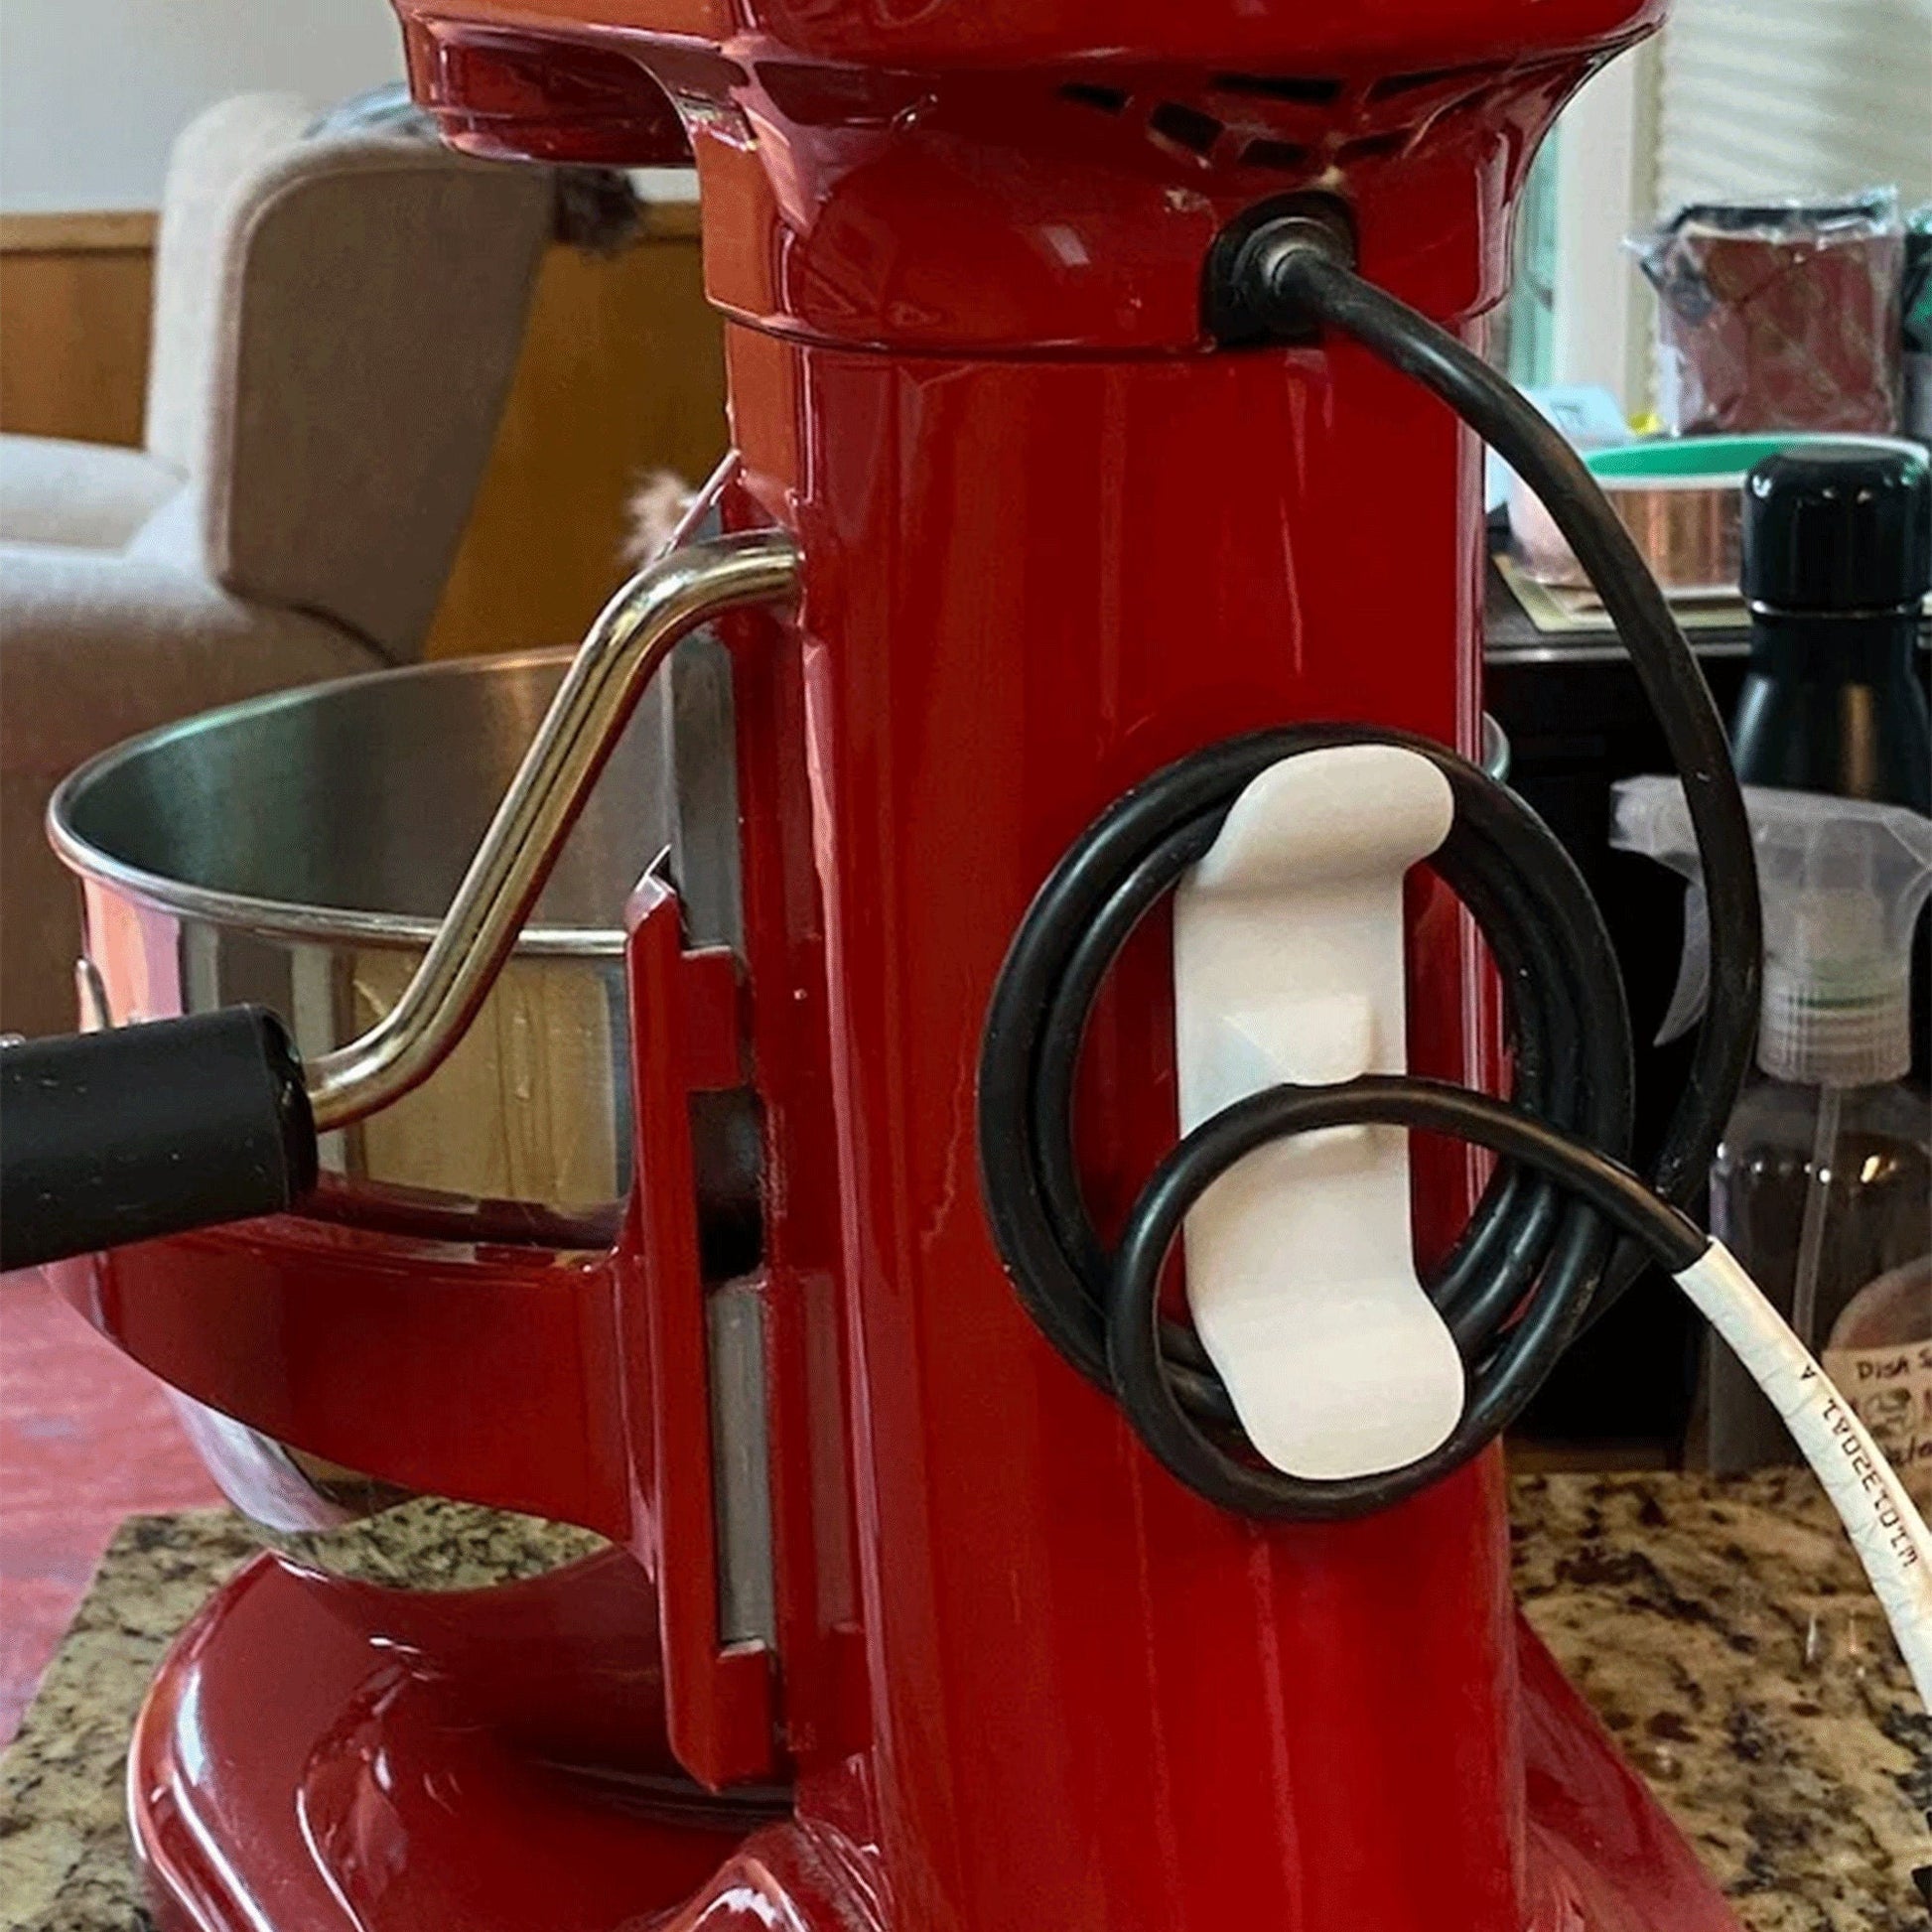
x=1721, y=1629
x=1725, y=1634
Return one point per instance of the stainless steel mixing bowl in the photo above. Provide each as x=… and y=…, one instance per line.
x=297, y=851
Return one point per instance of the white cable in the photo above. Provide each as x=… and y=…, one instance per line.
x=1881, y=1520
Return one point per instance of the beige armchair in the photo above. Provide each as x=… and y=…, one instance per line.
x=337, y=316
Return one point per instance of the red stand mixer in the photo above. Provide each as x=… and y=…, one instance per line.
x=1039, y=489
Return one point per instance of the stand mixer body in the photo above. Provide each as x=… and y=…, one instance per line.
x=1053, y=537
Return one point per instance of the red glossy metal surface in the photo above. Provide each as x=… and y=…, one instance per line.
x=433, y=1763
x=1030, y=584
x=1602, y=1853
x=971, y=207
x=466, y=1763
x=825, y=1709
x=685, y=1041
x=559, y=100
x=1051, y=541
x=1400, y=43
x=571, y=1386
x=487, y=1374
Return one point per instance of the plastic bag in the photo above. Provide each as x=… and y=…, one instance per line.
x=1780, y=315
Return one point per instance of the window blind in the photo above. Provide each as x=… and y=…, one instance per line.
x=1778, y=97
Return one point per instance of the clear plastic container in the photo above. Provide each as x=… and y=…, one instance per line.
x=1819, y=1192
x=1822, y=1183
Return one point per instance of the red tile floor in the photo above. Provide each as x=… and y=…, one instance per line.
x=86, y=1439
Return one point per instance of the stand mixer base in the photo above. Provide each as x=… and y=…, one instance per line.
x=320, y=1753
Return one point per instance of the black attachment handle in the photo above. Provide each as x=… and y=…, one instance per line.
x=141, y=1130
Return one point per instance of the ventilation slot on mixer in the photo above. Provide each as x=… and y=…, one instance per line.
x=1186, y=127
x=1311, y=91
x=1275, y=154
x=1110, y=100
x=1370, y=147
x=1393, y=86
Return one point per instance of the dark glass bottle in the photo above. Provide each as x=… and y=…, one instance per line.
x=1837, y=558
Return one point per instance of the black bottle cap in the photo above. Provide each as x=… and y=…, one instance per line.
x=1839, y=526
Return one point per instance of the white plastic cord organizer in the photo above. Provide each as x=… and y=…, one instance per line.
x=1289, y=966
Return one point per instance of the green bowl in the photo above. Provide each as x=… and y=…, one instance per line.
x=1703, y=459
x=1684, y=459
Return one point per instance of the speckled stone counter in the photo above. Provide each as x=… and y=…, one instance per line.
x=1725, y=1634
x=1721, y=1629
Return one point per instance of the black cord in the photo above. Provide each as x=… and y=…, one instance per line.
x=1521, y=1277
x=1147, y=1391
x=1307, y=280
x=1535, y=1262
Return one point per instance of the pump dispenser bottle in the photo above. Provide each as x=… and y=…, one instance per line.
x=1823, y=1185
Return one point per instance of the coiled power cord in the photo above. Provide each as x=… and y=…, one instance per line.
x=1564, y=1224
x=1540, y=1256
